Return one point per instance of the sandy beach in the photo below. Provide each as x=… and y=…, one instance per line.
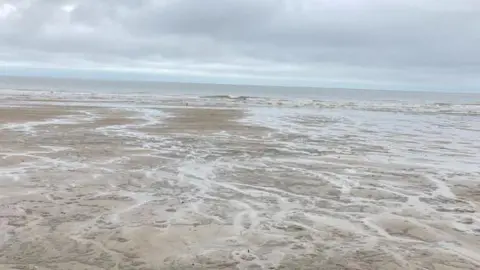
x=219, y=183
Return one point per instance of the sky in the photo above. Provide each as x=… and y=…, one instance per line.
x=374, y=44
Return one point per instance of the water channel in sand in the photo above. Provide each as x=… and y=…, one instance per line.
x=138, y=182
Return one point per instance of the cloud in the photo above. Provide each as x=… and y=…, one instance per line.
x=421, y=44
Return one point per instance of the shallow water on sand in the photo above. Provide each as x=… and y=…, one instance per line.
x=121, y=181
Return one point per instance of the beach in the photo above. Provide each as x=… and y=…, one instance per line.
x=146, y=181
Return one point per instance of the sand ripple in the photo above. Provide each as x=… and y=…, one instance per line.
x=162, y=185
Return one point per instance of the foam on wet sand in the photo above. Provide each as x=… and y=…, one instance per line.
x=118, y=182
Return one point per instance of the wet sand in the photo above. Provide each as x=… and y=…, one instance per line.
x=196, y=187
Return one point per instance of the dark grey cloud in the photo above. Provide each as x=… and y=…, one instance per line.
x=404, y=43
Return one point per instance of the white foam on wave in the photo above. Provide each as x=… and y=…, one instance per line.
x=278, y=118
x=445, y=105
x=146, y=116
x=30, y=127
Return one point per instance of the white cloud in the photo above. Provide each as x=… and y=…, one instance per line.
x=409, y=43
x=68, y=8
x=6, y=10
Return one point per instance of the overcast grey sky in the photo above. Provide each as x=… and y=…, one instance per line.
x=389, y=44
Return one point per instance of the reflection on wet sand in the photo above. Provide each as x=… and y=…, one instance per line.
x=166, y=186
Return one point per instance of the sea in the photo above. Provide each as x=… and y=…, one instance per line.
x=260, y=177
